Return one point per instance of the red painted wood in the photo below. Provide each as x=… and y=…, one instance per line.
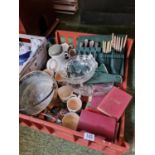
x=21, y=27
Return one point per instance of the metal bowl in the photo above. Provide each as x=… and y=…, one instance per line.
x=36, y=90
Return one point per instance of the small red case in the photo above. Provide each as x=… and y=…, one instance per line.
x=98, y=124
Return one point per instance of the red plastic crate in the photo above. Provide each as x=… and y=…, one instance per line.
x=119, y=147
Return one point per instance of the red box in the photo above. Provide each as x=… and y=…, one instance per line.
x=102, y=125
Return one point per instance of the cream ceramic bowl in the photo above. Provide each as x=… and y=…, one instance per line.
x=74, y=104
x=71, y=120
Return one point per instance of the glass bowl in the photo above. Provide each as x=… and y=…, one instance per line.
x=79, y=69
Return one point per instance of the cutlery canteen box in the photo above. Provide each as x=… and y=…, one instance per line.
x=117, y=147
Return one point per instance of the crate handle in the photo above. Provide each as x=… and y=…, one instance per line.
x=112, y=146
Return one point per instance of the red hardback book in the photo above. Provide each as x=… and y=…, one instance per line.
x=98, y=124
x=92, y=106
x=114, y=103
x=96, y=100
